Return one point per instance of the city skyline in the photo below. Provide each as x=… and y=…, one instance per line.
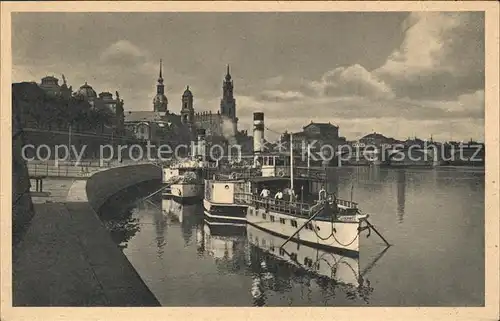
x=399, y=74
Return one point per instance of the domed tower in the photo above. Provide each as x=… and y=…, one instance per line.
x=160, y=102
x=50, y=85
x=187, y=110
x=87, y=93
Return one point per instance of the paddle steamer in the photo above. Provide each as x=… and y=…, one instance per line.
x=314, y=216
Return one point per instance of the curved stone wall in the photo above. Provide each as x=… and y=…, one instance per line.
x=103, y=185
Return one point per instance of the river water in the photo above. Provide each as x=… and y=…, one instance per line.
x=433, y=217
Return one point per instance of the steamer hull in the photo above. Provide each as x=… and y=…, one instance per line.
x=341, y=237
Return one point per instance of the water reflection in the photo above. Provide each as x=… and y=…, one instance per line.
x=281, y=270
x=160, y=224
x=275, y=268
x=188, y=215
x=225, y=244
x=401, y=187
x=159, y=221
x=122, y=227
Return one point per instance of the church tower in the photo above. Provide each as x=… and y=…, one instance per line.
x=228, y=103
x=187, y=110
x=160, y=102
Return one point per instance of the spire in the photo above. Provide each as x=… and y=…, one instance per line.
x=160, y=87
x=160, y=79
x=228, y=75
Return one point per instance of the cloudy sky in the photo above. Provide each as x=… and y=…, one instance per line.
x=400, y=74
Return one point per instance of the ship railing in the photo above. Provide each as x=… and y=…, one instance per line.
x=281, y=206
x=236, y=174
x=300, y=172
x=245, y=173
x=193, y=165
x=347, y=204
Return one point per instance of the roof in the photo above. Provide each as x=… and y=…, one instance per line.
x=187, y=93
x=160, y=98
x=322, y=126
x=155, y=117
x=86, y=91
x=50, y=79
x=106, y=95
x=138, y=116
x=152, y=116
x=374, y=136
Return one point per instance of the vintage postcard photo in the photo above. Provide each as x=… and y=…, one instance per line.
x=170, y=156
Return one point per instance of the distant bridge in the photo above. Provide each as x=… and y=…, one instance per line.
x=433, y=154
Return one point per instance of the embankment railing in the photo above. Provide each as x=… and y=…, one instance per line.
x=84, y=168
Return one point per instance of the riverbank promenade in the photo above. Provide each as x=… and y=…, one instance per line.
x=72, y=169
x=67, y=258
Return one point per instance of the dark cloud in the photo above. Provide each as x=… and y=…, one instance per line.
x=441, y=57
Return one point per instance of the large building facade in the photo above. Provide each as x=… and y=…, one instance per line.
x=316, y=135
x=160, y=123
